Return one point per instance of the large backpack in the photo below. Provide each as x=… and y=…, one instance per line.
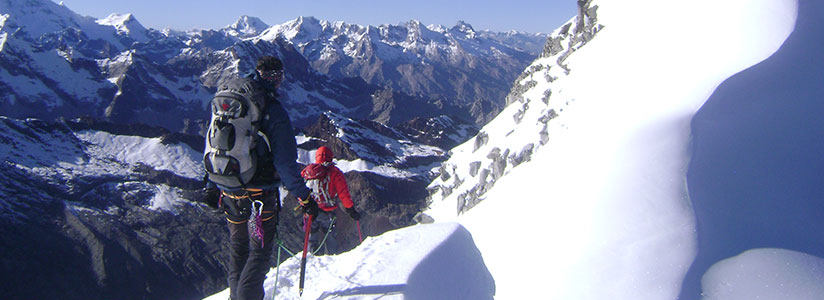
x=317, y=178
x=237, y=108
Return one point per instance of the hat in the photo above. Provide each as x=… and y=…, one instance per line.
x=323, y=155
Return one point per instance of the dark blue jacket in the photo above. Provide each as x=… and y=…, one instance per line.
x=283, y=157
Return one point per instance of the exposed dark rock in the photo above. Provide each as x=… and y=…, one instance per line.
x=473, y=168
x=523, y=156
x=480, y=140
x=444, y=131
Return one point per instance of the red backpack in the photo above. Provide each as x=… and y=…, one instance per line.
x=317, y=178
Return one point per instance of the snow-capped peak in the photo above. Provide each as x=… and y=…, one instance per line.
x=247, y=26
x=300, y=30
x=116, y=19
x=126, y=24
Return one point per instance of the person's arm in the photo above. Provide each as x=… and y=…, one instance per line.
x=278, y=128
x=337, y=179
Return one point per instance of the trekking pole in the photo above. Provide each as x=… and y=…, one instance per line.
x=360, y=237
x=277, y=270
x=307, y=225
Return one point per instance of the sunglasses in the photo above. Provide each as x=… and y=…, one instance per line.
x=271, y=75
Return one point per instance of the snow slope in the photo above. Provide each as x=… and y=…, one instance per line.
x=597, y=207
x=608, y=190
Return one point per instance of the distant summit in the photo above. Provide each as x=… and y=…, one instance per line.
x=126, y=24
x=246, y=26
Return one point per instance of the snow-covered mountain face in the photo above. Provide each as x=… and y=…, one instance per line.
x=99, y=211
x=56, y=63
x=469, y=69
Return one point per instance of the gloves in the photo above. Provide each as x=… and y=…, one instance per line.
x=353, y=213
x=211, y=197
x=310, y=207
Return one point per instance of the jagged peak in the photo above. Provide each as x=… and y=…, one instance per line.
x=245, y=21
x=463, y=27
x=308, y=20
x=412, y=23
x=249, y=25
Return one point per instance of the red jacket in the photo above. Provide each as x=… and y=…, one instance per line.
x=337, y=188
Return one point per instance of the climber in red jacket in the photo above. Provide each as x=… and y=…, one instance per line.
x=335, y=186
x=328, y=184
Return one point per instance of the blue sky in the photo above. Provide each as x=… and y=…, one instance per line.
x=521, y=15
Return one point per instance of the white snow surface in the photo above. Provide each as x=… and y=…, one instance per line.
x=601, y=210
x=385, y=267
x=766, y=274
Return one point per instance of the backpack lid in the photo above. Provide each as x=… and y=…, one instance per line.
x=314, y=171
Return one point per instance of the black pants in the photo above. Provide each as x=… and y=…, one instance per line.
x=249, y=261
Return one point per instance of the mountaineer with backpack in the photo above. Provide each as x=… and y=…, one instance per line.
x=328, y=183
x=250, y=151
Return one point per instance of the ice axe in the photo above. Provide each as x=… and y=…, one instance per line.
x=307, y=226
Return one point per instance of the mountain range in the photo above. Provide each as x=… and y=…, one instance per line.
x=96, y=110
x=67, y=65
